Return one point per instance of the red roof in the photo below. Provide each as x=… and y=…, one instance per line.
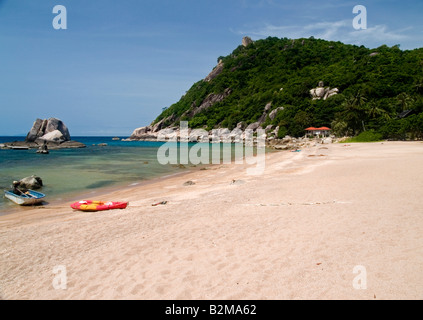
x=318, y=129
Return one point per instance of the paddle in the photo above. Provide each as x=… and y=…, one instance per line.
x=30, y=195
x=27, y=194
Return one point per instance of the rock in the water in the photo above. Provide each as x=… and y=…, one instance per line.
x=42, y=128
x=55, y=135
x=32, y=182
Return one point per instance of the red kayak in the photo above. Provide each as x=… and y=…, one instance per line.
x=89, y=205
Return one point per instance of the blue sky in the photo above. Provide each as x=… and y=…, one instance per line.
x=120, y=62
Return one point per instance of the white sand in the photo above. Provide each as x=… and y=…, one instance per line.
x=295, y=232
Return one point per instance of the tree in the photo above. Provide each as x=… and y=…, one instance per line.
x=404, y=101
x=354, y=112
x=374, y=111
x=340, y=128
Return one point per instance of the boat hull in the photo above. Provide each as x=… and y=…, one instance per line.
x=33, y=198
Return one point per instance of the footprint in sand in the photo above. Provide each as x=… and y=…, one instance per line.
x=137, y=289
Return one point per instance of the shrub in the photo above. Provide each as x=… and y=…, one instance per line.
x=367, y=136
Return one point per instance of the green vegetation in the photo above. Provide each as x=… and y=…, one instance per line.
x=373, y=89
x=366, y=136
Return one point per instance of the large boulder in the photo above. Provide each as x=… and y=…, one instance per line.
x=32, y=182
x=323, y=93
x=55, y=135
x=42, y=129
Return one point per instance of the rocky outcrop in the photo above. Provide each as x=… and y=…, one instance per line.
x=216, y=71
x=52, y=145
x=246, y=41
x=212, y=99
x=158, y=132
x=52, y=130
x=274, y=113
x=50, y=134
x=323, y=93
x=33, y=183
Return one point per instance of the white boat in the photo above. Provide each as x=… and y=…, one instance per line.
x=29, y=198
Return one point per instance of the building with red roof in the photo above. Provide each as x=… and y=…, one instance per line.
x=323, y=131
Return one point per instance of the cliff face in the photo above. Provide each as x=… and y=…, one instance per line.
x=286, y=85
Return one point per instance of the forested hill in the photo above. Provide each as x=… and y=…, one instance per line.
x=268, y=83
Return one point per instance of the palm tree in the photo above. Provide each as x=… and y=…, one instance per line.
x=404, y=101
x=419, y=85
x=374, y=111
x=354, y=111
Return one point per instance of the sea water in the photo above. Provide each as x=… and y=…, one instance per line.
x=72, y=173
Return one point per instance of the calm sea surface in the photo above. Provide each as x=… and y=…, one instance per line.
x=82, y=171
x=70, y=173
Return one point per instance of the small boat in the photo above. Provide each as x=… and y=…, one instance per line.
x=92, y=206
x=29, y=198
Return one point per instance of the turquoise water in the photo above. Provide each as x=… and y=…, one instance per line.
x=72, y=173
x=82, y=171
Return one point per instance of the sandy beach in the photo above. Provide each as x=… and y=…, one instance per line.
x=298, y=231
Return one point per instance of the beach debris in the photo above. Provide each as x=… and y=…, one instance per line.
x=237, y=182
x=189, y=183
x=159, y=203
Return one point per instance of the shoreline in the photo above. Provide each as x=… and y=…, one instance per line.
x=70, y=197
x=295, y=232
